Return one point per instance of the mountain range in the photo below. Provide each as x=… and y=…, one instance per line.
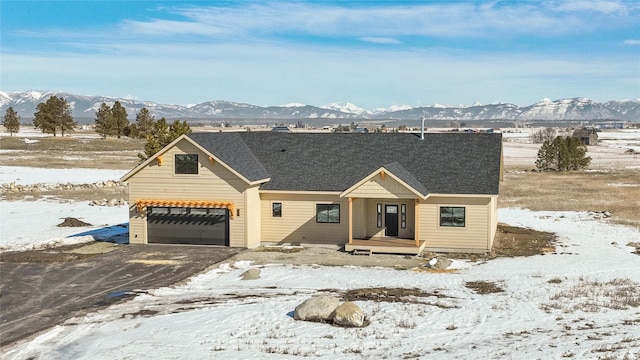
x=580, y=109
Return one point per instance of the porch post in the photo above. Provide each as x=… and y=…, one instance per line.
x=350, y=220
x=417, y=222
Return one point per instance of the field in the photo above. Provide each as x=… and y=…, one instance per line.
x=579, y=299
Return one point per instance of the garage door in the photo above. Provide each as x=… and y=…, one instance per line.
x=183, y=225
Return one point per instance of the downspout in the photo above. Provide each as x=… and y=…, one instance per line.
x=422, y=128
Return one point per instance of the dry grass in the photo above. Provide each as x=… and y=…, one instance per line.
x=594, y=296
x=69, y=152
x=615, y=190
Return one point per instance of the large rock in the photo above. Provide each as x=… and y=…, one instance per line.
x=251, y=274
x=318, y=308
x=348, y=314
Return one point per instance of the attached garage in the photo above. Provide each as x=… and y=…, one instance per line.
x=188, y=225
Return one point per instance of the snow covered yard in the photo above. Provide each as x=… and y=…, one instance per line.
x=581, y=302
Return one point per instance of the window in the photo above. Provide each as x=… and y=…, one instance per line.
x=452, y=216
x=379, y=216
x=276, y=209
x=186, y=163
x=328, y=213
x=403, y=216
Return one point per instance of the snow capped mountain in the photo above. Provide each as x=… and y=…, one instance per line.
x=347, y=107
x=567, y=109
x=85, y=107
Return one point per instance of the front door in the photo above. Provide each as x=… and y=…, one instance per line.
x=391, y=220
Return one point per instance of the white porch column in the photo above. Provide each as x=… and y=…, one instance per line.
x=417, y=223
x=350, y=220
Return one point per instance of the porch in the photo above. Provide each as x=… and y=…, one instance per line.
x=386, y=245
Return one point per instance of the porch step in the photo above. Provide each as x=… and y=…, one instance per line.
x=362, y=252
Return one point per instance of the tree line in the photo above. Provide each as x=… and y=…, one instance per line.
x=54, y=116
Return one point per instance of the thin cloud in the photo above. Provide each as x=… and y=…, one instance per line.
x=447, y=20
x=632, y=42
x=380, y=40
x=599, y=6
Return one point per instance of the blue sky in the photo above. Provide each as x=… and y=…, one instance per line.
x=371, y=53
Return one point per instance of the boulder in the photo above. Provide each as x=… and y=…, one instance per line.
x=317, y=308
x=441, y=263
x=251, y=274
x=348, y=314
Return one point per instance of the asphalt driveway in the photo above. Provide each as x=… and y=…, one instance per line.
x=40, y=289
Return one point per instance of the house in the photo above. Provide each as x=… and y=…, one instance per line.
x=394, y=192
x=587, y=135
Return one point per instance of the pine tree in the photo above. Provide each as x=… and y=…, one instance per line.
x=562, y=154
x=144, y=124
x=54, y=115
x=119, y=119
x=103, y=120
x=162, y=135
x=11, y=121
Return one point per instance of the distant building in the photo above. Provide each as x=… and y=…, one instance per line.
x=587, y=135
x=280, y=129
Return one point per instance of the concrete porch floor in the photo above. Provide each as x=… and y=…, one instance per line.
x=386, y=245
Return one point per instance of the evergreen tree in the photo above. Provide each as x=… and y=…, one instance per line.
x=112, y=121
x=144, y=124
x=562, y=154
x=54, y=115
x=103, y=120
x=11, y=121
x=119, y=119
x=162, y=135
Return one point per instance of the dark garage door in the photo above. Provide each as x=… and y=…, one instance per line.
x=182, y=225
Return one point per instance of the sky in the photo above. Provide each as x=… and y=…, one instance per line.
x=374, y=54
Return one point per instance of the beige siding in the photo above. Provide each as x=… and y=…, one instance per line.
x=298, y=221
x=137, y=224
x=360, y=218
x=474, y=236
x=212, y=183
x=252, y=204
x=493, y=212
x=388, y=188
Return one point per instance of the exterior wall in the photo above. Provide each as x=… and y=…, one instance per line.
x=298, y=221
x=473, y=237
x=493, y=216
x=212, y=183
x=376, y=187
x=360, y=218
x=252, y=216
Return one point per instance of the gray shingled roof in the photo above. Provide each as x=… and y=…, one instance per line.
x=448, y=163
x=398, y=170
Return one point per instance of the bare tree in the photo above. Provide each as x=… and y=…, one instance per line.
x=540, y=136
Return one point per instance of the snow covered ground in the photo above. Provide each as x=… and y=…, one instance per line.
x=582, y=302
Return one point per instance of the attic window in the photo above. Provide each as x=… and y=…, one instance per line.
x=186, y=163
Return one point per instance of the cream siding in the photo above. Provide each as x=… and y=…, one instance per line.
x=298, y=221
x=376, y=187
x=254, y=220
x=359, y=218
x=493, y=220
x=474, y=236
x=214, y=182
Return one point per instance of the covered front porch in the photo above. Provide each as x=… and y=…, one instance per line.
x=386, y=246
x=384, y=214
